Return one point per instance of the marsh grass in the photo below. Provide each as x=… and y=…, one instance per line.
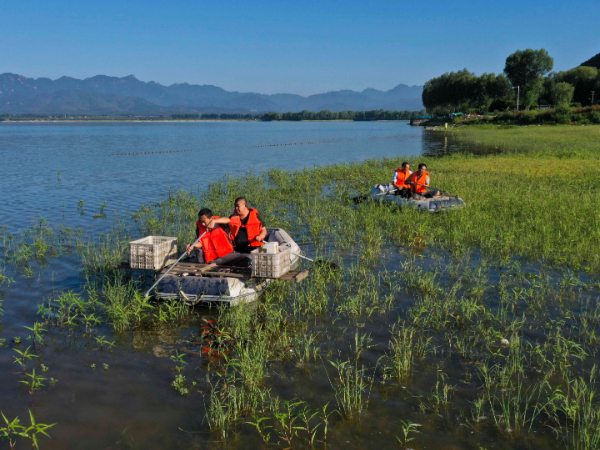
x=494, y=307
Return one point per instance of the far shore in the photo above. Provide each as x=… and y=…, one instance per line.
x=180, y=120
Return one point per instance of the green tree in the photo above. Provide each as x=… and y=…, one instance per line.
x=526, y=66
x=584, y=80
x=562, y=94
x=464, y=91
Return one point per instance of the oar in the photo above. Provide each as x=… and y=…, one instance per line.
x=176, y=262
x=329, y=264
x=361, y=198
x=435, y=189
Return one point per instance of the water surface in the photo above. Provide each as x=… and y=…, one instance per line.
x=49, y=168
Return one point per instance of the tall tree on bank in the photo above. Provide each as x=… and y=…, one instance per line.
x=524, y=68
x=464, y=91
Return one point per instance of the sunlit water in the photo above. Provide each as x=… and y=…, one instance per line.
x=48, y=169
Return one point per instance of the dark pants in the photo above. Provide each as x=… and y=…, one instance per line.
x=429, y=194
x=403, y=193
x=232, y=259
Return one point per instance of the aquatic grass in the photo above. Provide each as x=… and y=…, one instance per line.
x=14, y=430
x=352, y=386
x=404, y=349
x=124, y=303
x=579, y=405
x=500, y=299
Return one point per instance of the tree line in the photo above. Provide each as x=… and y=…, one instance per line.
x=527, y=78
x=212, y=116
x=376, y=114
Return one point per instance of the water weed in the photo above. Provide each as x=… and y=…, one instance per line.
x=485, y=319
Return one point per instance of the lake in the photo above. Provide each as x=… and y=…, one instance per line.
x=64, y=172
x=51, y=168
x=121, y=395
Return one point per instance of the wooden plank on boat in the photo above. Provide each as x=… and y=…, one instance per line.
x=214, y=270
x=208, y=267
x=226, y=275
x=294, y=275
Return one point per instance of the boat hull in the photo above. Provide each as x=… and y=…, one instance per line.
x=435, y=204
x=216, y=289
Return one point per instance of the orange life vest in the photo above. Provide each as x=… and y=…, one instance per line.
x=215, y=243
x=420, y=180
x=401, y=177
x=253, y=227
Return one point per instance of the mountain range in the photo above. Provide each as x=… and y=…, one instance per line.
x=105, y=95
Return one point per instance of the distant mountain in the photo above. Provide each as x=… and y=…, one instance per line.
x=593, y=62
x=104, y=95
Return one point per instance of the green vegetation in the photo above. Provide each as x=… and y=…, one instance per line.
x=377, y=114
x=464, y=91
x=524, y=73
x=480, y=325
x=561, y=115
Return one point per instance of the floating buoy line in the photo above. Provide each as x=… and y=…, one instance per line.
x=151, y=153
x=293, y=143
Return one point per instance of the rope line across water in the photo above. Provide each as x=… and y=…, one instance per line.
x=150, y=153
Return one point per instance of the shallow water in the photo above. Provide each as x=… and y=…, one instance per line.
x=49, y=168
x=132, y=404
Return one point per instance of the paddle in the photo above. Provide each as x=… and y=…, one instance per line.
x=176, y=262
x=435, y=189
x=318, y=262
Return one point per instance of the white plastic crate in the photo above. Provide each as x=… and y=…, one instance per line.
x=270, y=265
x=152, y=252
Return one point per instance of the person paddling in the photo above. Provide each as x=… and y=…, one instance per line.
x=246, y=228
x=419, y=182
x=400, y=177
x=215, y=246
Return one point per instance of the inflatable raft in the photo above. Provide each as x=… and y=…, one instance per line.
x=211, y=284
x=386, y=194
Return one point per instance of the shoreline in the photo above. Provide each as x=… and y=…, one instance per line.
x=183, y=120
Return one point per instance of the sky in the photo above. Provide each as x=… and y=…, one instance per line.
x=304, y=47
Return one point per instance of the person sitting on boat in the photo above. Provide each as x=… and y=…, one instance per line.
x=246, y=228
x=419, y=182
x=215, y=246
x=400, y=177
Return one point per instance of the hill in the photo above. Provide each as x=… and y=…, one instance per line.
x=594, y=61
x=103, y=94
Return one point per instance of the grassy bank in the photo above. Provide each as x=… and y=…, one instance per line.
x=561, y=115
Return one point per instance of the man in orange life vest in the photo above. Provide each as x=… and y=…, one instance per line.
x=215, y=246
x=419, y=182
x=246, y=228
x=400, y=177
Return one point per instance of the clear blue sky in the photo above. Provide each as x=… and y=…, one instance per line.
x=302, y=47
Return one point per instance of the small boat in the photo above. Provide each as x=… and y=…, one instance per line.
x=386, y=194
x=211, y=284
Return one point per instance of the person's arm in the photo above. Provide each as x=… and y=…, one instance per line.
x=395, y=180
x=221, y=220
x=191, y=247
x=263, y=232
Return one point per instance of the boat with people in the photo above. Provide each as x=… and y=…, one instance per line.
x=387, y=193
x=213, y=284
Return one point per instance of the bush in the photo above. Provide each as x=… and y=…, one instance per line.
x=528, y=118
x=594, y=117
x=562, y=113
